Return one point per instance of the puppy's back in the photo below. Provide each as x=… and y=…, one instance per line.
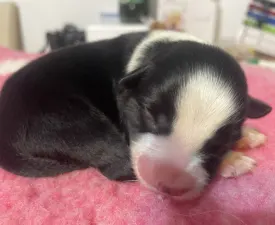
x=76, y=84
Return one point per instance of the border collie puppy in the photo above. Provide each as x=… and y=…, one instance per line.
x=162, y=107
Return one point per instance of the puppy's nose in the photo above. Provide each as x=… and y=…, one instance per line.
x=165, y=177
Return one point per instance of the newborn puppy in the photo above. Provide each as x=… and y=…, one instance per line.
x=162, y=107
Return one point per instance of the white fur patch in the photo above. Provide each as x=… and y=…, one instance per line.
x=155, y=36
x=204, y=105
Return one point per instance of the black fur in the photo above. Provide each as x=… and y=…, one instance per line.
x=76, y=108
x=59, y=113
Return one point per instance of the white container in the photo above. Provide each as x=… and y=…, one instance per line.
x=98, y=32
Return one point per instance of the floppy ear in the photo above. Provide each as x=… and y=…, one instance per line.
x=132, y=80
x=257, y=109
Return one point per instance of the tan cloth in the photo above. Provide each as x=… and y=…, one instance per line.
x=9, y=26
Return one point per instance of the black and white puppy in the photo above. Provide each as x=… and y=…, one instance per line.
x=162, y=107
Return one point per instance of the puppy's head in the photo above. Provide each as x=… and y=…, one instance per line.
x=184, y=104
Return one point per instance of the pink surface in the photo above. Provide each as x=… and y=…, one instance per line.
x=7, y=54
x=86, y=197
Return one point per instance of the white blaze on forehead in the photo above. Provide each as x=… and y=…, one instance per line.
x=205, y=103
x=153, y=37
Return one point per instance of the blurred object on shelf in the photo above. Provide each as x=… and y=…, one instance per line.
x=156, y=25
x=258, y=28
x=133, y=11
x=240, y=52
x=68, y=36
x=165, y=25
x=174, y=20
x=171, y=12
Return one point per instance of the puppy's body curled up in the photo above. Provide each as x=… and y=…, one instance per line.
x=162, y=106
x=59, y=113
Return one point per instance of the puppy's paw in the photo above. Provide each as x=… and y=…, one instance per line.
x=236, y=164
x=251, y=138
x=255, y=139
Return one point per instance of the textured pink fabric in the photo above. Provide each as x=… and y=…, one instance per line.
x=86, y=197
x=7, y=54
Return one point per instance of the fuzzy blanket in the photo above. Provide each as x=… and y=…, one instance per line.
x=87, y=198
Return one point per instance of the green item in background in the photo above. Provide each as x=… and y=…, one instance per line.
x=253, y=61
x=251, y=22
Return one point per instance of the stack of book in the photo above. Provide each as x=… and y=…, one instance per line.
x=259, y=26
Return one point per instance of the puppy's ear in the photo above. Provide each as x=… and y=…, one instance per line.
x=257, y=108
x=132, y=80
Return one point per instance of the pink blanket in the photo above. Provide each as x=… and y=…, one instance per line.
x=86, y=197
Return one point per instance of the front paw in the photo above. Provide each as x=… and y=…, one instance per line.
x=236, y=164
x=251, y=138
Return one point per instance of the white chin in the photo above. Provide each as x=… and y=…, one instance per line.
x=191, y=195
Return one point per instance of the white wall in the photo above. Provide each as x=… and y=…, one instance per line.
x=233, y=13
x=39, y=16
x=201, y=18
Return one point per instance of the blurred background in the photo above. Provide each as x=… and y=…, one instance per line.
x=243, y=27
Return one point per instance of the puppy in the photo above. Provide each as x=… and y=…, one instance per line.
x=161, y=107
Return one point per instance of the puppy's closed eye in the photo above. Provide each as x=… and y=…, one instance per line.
x=157, y=122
